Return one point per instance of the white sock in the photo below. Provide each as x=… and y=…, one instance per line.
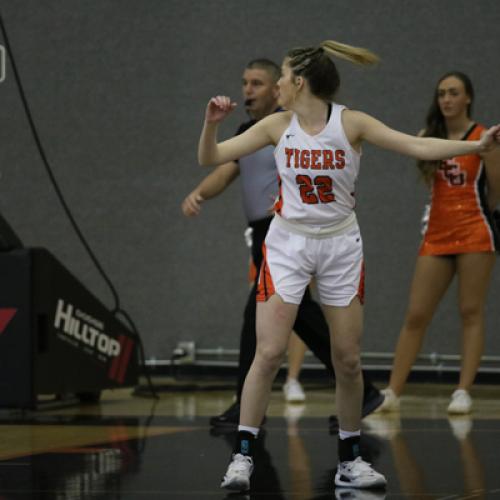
x=252, y=430
x=348, y=434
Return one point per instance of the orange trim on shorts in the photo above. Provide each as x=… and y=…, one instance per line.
x=252, y=272
x=361, y=286
x=265, y=287
x=278, y=205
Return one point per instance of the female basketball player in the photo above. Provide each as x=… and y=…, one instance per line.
x=459, y=240
x=314, y=232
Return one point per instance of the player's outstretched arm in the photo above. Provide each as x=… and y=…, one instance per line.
x=365, y=127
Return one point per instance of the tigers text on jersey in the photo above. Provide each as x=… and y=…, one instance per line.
x=317, y=173
x=459, y=218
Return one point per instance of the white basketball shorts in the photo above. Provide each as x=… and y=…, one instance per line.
x=292, y=258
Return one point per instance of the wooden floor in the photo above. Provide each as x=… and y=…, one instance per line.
x=130, y=447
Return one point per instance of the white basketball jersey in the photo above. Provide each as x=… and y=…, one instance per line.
x=317, y=174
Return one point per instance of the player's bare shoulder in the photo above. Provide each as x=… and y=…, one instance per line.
x=353, y=122
x=353, y=117
x=276, y=124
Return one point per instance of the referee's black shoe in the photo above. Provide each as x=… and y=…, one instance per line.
x=230, y=418
x=372, y=399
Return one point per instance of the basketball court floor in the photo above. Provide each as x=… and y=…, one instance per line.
x=135, y=448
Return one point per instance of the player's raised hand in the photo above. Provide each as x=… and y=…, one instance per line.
x=490, y=139
x=218, y=108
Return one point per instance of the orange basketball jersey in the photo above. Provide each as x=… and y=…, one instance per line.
x=459, y=219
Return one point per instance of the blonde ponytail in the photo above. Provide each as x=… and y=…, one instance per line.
x=357, y=55
x=316, y=65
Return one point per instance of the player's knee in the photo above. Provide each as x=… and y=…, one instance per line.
x=471, y=312
x=269, y=358
x=417, y=319
x=347, y=364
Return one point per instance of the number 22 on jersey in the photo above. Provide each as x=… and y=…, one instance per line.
x=316, y=190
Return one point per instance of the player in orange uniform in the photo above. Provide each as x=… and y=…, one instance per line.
x=459, y=240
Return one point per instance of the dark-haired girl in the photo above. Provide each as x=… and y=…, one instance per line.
x=314, y=233
x=459, y=240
